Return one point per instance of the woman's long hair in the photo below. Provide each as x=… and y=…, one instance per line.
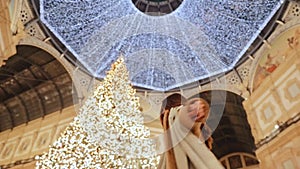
x=206, y=134
x=173, y=100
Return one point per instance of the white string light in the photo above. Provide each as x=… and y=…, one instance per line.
x=212, y=35
x=112, y=119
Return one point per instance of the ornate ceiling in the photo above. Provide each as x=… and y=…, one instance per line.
x=197, y=40
x=32, y=84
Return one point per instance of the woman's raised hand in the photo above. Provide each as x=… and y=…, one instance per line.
x=195, y=111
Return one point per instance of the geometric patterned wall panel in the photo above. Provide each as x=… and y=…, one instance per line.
x=19, y=145
x=267, y=113
x=8, y=150
x=289, y=91
x=25, y=145
x=43, y=139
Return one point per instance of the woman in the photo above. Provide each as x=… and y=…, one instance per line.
x=186, y=131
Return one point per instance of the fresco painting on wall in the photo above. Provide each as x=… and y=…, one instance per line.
x=282, y=47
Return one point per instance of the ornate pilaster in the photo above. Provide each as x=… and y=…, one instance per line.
x=9, y=38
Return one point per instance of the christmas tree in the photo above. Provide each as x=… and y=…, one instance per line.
x=108, y=132
x=115, y=121
x=74, y=150
x=71, y=150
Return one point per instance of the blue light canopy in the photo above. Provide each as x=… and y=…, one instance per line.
x=201, y=38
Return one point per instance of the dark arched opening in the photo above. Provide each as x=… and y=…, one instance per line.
x=233, y=133
x=157, y=7
x=32, y=84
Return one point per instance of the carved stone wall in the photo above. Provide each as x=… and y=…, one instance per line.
x=28, y=140
x=275, y=102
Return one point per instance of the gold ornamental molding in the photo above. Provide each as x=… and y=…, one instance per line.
x=8, y=38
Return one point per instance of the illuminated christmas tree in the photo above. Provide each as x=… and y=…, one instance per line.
x=74, y=150
x=108, y=132
x=115, y=121
x=71, y=150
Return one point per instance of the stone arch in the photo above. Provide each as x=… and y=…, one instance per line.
x=232, y=133
x=31, y=41
x=32, y=77
x=82, y=82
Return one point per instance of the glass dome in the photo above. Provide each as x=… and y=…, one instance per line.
x=200, y=39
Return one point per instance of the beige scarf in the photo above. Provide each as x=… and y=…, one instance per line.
x=188, y=152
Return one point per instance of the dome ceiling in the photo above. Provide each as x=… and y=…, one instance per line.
x=197, y=40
